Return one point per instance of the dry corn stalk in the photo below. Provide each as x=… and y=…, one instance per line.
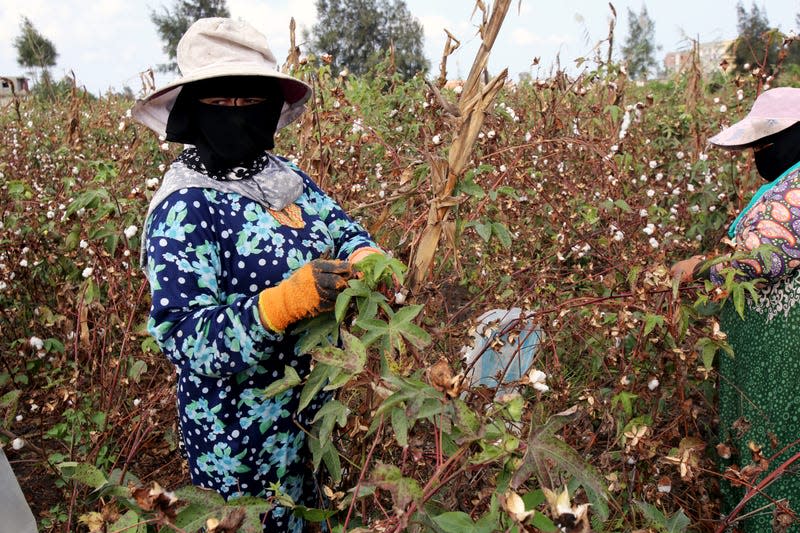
x=475, y=100
x=293, y=58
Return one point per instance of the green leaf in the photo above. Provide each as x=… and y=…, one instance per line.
x=542, y=523
x=8, y=403
x=465, y=418
x=333, y=412
x=484, y=230
x=311, y=514
x=469, y=187
x=18, y=189
x=342, y=304
x=331, y=458
x=533, y=499
x=130, y=522
x=739, y=299
x=546, y=453
x=625, y=399
x=404, y=490
x=501, y=232
x=290, y=379
x=205, y=504
x=678, y=523
x=623, y=205
x=650, y=321
x=400, y=426
x=83, y=473
x=322, y=330
x=316, y=380
x=455, y=522
x=136, y=370
x=53, y=345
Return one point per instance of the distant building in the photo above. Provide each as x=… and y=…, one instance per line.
x=10, y=85
x=712, y=55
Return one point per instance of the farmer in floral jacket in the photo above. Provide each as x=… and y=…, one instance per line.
x=759, y=398
x=239, y=245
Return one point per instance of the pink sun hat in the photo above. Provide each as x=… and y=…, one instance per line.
x=774, y=110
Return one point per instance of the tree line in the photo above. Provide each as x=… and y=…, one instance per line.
x=356, y=35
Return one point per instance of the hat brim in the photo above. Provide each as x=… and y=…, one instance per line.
x=153, y=111
x=749, y=131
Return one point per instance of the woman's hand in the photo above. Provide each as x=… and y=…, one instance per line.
x=685, y=268
x=310, y=290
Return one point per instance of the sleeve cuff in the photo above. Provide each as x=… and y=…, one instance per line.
x=361, y=253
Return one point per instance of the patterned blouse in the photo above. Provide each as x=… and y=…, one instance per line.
x=209, y=254
x=773, y=219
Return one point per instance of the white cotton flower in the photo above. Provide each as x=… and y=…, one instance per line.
x=653, y=242
x=653, y=384
x=136, y=402
x=537, y=378
x=121, y=126
x=83, y=244
x=653, y=164
x=723, y=108
x=649, y=229
x=87, y=272
x=36, y=343
x=436, y=139
x=151, y=183
x=491, y=134
x=528, y=136
x=618, y=236
x=130, y=231
x=650, y=193
x=642, y=213
x=18, y=443
x=458, y=89
x=23, y=263
x=165, y=146
x=679, y=155
x=503, y=168
x=19, y=418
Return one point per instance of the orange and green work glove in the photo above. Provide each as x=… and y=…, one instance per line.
x=309, y=291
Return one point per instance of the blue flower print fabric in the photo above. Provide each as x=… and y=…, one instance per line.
x=209, y=254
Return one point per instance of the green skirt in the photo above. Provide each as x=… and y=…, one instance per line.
x=760, y=399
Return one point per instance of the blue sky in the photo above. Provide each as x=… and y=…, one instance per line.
x=107, y=43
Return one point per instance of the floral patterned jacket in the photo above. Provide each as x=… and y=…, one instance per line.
x=772, y=219
x=209, y=254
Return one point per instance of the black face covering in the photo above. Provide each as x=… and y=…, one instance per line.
x=780, y=151
x=227, y=136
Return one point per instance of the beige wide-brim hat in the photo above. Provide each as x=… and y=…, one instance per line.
x=773, y=111
x=218, y=47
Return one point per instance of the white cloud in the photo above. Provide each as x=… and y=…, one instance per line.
x=273, y=20
x=524, y=37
